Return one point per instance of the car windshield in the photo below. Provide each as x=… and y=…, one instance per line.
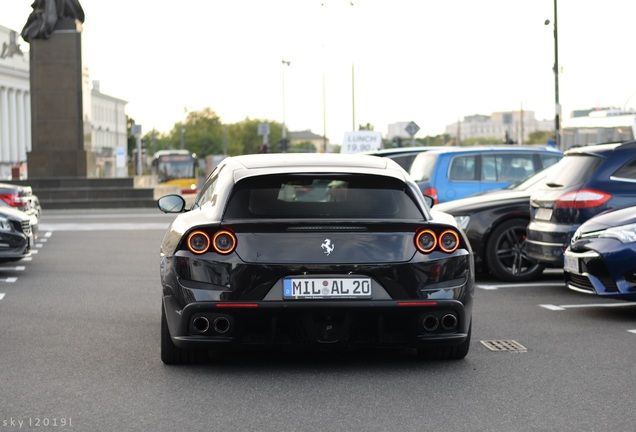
x=573, y=170
x=321, y=196
x=423, y=166
x=534, y=181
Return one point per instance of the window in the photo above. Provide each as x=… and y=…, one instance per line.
x=462, y=168
x=320, y=196
x=626, y=172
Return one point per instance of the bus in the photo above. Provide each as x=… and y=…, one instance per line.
x=177, y=168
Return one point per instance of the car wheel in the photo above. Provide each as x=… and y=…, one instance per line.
x=456, y=352
x=170, y=353
x=506, y=256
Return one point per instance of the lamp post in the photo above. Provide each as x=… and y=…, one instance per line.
x=284, y=127
x=557, y=104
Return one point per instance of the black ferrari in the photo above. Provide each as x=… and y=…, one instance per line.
x=313, y=251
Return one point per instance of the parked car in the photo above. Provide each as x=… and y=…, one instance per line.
x=601, y=259
x=16, y=195
x=16, y=238
x=22, y=198
x=447, y=174
x=362, y=263
x=588, y=181
x=404, y=156
x=495, y=223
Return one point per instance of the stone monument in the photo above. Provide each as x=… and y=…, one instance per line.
x=61, y=146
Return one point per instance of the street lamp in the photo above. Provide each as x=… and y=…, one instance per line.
x=284, y=128
x=557, y=104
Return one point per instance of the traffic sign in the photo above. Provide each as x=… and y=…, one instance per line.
x=412, y=128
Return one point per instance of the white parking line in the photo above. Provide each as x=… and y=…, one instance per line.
x=48, y=234
x=632, y=331
x=1, y=296
x=590, y=305
x=18, y=268
x=520, y=285
x=43, y=240
x=9, y=280
x=39, y=245
x=27, y=259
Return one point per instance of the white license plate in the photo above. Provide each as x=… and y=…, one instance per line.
x=544, y=214
x=571, y=264
x=326, y=288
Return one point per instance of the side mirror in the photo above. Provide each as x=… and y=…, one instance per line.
x=429, y=200
x=171, y=204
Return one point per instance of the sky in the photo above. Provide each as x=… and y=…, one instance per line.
x=353, y=62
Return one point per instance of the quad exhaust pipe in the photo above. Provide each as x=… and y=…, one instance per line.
x=220, y=324
x=431, y=323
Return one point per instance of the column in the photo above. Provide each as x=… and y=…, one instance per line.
x=20, y=126
x=13, y=133
x=5, y=156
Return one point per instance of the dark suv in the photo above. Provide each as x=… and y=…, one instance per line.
x=589, y=180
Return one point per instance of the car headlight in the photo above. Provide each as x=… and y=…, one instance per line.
x=624, y=233
x=5, y=225
x=462, y=221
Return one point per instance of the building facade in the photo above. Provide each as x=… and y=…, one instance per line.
x=106, y=119
x=516, y=126
x=15, y=106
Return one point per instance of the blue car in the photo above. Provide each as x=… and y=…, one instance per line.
x=589, y=180
x=602, y=257
x=450, y=173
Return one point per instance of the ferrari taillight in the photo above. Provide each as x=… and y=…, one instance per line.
x=224, y=242
x=427, y=240
x=198, y=242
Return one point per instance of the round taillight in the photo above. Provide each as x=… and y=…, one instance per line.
x=449, y=241
x=425, y=241
x=198, y=242
x=224, y=242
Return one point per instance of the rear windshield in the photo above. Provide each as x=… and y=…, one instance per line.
x=320, y=196
x=423, y=166
x=573, y=170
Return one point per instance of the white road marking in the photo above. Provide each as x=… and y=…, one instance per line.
x=48, y=234
x=590, y=305
x=27, y=259
x=107, y=226
x=17, y=268
x=632, y=331
x=520, y=285
x=43, y=240
x=38, y=245
x=1, y=296
x=34, y=252
x=9, y=280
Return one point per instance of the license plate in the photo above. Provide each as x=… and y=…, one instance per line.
x=544, y=214
x=326, y=288
x=571, y=264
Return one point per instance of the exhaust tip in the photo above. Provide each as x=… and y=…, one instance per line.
x=201, y=324
x=221, y=325
x=430, y=323
x=449, y=322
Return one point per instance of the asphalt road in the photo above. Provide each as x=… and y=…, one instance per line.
x=79, y=349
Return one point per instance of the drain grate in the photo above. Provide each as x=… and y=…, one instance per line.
x=504, y=345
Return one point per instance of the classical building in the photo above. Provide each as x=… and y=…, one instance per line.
x=514, y=125
x=15, y=106
x=106, y=118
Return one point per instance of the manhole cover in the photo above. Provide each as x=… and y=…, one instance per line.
x=504, y=345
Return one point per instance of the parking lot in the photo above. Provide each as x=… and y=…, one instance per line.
x=79, y=327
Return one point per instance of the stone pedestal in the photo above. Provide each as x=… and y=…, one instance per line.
x=57, y=106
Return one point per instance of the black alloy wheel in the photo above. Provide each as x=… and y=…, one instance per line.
x=506, y=256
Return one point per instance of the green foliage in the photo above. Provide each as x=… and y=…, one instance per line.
x=540, y=137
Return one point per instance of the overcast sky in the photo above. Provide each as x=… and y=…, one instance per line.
x=426, y=61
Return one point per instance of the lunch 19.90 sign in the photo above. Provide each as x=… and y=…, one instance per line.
x=361, y=141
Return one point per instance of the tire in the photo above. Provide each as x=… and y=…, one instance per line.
x=506, y=253
x=170, y=353
x=456, y=352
